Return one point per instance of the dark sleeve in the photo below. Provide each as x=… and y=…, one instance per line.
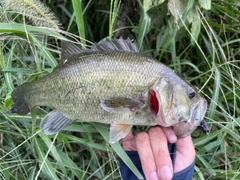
x=127, y=174
x=185, y=174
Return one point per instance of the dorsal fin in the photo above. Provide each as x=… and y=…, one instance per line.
x=69, y=49
x=116, y=45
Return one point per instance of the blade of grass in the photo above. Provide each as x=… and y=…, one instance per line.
x=20, y=29
x=118, y=149
x=54, y=151
x=45, y=53
x=69, y=164
x=79, y=20
x=8, y=64
x=114, y=9
x=215, y=94
x=85, y=142
x=144, y=26
x=44, y=164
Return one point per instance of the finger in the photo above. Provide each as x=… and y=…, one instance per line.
x=185, y=153
x=170, y=134
x=129, y=143
x=160, y=150
x=146, y=155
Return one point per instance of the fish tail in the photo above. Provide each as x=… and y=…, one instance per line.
x=20, y=105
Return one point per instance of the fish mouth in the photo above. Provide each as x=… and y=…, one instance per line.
x=153, y=102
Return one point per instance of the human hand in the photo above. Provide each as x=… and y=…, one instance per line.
x=152, y=147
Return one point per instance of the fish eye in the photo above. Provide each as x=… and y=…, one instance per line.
x=191, y=95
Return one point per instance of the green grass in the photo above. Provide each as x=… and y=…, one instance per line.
x=201, y=45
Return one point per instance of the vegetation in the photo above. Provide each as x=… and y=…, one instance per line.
x=198, y=39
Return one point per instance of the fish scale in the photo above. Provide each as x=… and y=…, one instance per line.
x=86, y=93
x=111, y=86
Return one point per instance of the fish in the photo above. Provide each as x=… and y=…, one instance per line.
x=112, y=83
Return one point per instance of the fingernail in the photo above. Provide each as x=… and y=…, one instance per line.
x=165, y=173
x=153, y=176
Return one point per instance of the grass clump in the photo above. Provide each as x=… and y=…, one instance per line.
x=198, y=39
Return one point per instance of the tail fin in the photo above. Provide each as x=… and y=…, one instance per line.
x=20, y=105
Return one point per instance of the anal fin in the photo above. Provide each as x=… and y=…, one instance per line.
x=54, y=122
x=119, y=131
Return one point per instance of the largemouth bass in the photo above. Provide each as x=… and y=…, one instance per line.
x=112, y=83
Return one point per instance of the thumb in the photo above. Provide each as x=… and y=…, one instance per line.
x=129, y=143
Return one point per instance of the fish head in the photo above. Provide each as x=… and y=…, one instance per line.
x=176, y=104
x=198, y=108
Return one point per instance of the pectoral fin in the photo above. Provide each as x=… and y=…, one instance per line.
x=121, y=105
x=119, y=131
x=54, y=122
